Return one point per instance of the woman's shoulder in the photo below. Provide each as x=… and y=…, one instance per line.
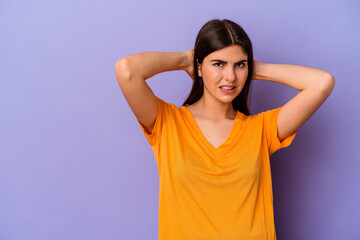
x=165, y=104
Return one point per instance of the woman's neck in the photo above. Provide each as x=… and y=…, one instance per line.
x=213, y=109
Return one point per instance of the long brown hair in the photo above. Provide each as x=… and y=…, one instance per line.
x=215, y=35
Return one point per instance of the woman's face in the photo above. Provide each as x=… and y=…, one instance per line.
x=227, y=66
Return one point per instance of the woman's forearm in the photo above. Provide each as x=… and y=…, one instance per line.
x=295, y=76
x=148, y=64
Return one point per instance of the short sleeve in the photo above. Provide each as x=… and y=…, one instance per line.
x=270, y=131
x=162, y=116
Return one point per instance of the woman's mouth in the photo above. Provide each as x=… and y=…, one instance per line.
x=227, y=89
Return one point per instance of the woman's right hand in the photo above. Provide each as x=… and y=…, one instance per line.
x=190, y=63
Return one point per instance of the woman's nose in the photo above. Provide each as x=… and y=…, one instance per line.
x=230, y=74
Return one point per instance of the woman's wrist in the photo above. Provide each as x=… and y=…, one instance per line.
x=184, y=60
x=257, y=70
x=189, y=67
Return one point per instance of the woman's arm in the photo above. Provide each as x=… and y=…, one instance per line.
x=147, y=64
x=315, y=86
x=132, y=71
x=295, y=76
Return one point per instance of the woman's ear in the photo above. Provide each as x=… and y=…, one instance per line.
x=198, y=68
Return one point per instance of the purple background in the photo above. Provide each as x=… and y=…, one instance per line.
x=74, y=164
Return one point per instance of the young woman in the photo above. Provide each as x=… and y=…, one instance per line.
x=212, y=155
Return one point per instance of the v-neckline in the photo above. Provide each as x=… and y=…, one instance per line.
x=202, y=136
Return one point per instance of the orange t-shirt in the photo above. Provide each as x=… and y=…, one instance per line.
x=209, y=193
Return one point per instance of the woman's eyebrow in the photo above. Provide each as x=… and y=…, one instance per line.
x=218, y=60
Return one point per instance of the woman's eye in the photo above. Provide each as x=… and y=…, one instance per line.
x=219, y=64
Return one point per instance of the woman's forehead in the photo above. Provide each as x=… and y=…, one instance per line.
x=233, y=53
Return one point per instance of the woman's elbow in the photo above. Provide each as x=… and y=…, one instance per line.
x=122, y=69
x=327, y=82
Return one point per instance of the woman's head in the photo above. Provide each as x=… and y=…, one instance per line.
x=222, y=35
